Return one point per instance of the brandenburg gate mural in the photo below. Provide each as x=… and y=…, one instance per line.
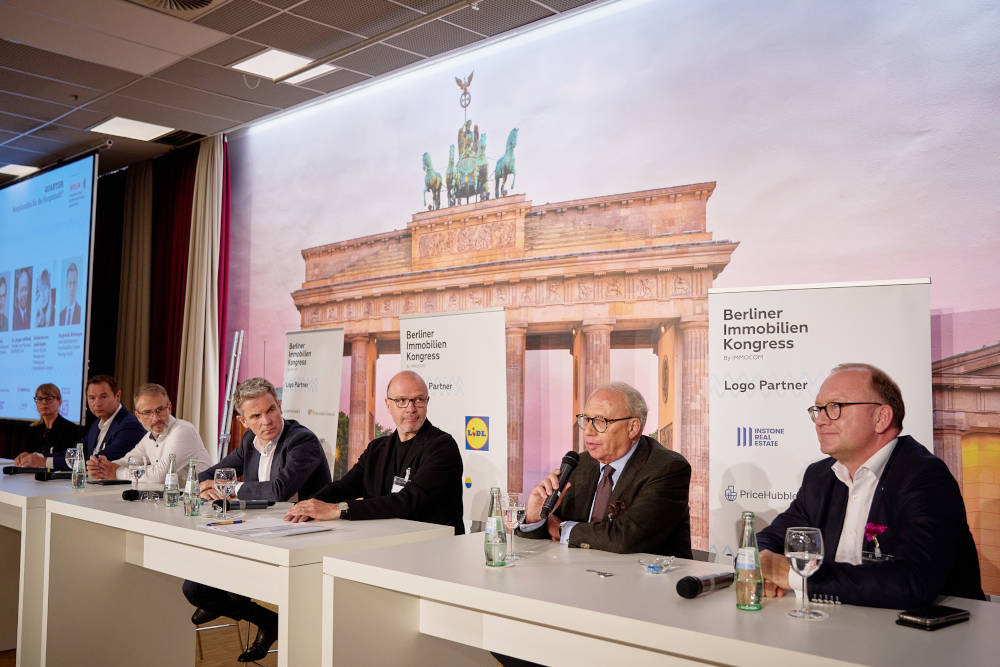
x=588, y=275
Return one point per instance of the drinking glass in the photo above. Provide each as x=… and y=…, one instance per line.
x=804, y=551
x=225, y=483
x=71, y=457
x=512, y=507
x=136, y=469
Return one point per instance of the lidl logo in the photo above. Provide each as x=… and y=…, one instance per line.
x=468, y=482
x=477, y=433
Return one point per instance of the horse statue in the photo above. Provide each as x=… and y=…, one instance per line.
x=451, y=177
x=483, y=165
x=505, y=167
x=432, y=183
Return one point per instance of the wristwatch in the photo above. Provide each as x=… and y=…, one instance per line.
x=345, y=511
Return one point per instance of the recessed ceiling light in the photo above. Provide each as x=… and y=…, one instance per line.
x=272, y=63
x=319, y=70
x=17, y=170
x=133, y=129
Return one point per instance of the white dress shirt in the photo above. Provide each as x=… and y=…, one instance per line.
x=266, y=451
x=102, y=430
x=180, y=438
x=860, y=493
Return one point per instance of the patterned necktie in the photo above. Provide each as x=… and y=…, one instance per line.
x=602, y=496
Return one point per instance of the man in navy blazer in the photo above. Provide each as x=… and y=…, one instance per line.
x=113, y=435
x=279, y=459
x=893, y=521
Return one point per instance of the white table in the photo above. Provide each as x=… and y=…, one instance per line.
x=436, y=603
x=22, y=547
x=113, y=572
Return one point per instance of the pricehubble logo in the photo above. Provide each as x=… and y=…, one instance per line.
x=732, y=494
x=477, y=433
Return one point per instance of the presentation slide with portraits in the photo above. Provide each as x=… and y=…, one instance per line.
x=45, y=234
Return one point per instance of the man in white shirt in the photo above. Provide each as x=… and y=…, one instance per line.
x=893, y=522
x=165, y=435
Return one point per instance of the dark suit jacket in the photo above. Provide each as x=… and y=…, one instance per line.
x=63, y=434
x=298, y=466
x=21, y=322
x=65, y=317
x=433, y=494
x=123, y=434
x=3, y=322
x=655, y=518
x=919, y=503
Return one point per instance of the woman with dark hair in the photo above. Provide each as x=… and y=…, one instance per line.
x=52, y=433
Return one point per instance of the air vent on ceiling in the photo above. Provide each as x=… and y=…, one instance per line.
x=179, y=138
x=183, y=9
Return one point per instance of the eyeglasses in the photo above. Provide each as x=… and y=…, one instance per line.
x=833, y=408
x=418, y=402
x=45, y=399
x=600, y=423
x=159, y=412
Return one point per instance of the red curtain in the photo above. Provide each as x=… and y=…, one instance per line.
x=173, y=193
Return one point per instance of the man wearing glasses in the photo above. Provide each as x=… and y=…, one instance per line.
x=628, y=494
x=165, y=435
x=892, y=517
x=413, y=473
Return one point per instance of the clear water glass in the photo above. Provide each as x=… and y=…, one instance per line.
x=804, y=551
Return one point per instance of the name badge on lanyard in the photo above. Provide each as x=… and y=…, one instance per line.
x=399, y=482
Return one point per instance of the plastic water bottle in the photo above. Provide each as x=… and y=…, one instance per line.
x=191, y=496
x=494, y=536
x=749, y=578
x=171, y=487
x=78, y=476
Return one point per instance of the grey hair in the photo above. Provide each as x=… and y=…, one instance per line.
x=633, y=399
x=150, y=389
x=251, y=389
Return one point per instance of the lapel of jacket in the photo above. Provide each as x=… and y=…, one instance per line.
x=833, y=500
x=632, y=468
x=880, y=509
x=251, y=461
x=584, y=496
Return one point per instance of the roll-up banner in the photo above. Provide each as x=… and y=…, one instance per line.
x=770, y=348
x=463, y=359
x=311, y=393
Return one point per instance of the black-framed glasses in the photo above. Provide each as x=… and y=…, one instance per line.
x=600, y=423
x=45, y=399
x=418, y=402
x=159, y=412
x=833, y=408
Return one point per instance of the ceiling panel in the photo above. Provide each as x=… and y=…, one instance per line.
x=369, y=18
x=228, y=52
x=342, y=78
x=300, y=36
x=82, y=119
x=40, y=87
x=63, y=134
x=434, y=38
x=62, y=68
x=27, y=106
x=150, y=112
x=376, y=59
x=426, y=6
x=34, y=143
x=191, y=99
x=18, y=124
x=497, y=16
x=235, y=84
x=235, y=16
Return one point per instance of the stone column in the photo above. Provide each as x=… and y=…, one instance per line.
x=948, y=448
x=364, y=352
x=515, y=405
x=694, y=424
x=596, y=353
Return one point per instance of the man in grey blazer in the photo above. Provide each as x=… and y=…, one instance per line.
x=628, y=494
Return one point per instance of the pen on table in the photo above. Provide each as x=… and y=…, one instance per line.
x=224, y=523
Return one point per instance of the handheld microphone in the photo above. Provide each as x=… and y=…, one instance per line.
x=239, y=505
x=569, y=463
x=139, y=494
x=15, y=470
x=46, y=475
x=691, y=587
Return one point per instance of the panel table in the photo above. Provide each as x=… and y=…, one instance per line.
x=22, y=540
x=437, y=603
x=113, y=570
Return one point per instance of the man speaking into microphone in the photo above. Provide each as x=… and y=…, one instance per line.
x=628, y=493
